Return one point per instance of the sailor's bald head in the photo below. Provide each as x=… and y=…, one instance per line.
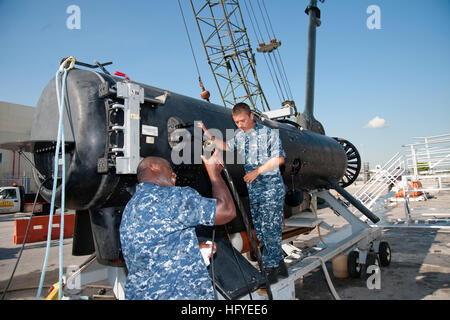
x=156, y=170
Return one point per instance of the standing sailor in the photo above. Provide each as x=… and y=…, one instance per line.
x=262, y=152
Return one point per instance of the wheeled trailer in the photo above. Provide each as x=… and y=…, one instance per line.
x=360, y=241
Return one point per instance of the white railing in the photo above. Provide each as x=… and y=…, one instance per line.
x=429, y=156
x=421, y=161
x=379, y=182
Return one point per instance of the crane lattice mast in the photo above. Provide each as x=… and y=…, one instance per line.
x=228, y=51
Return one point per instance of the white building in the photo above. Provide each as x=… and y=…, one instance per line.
x=15, y=125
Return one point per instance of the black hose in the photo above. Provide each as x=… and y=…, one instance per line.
x=24, y=240
x=212, y=262
x=249, y=230
x=239, y=265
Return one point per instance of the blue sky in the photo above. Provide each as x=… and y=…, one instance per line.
x=400, y=73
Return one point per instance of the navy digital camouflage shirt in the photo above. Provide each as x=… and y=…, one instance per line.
x=160, y=246
x=257, y=147
x=267, y=191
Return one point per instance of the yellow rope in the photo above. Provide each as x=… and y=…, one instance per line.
x=70, y=59
x=318, y=226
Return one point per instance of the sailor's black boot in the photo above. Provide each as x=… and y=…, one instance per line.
x=272, y=274
x=282, y=269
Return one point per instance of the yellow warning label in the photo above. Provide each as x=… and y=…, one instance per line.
x=6, y=204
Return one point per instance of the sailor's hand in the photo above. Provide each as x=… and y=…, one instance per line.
x=251, y=176
x=214, y=163
x=206, y=245
x=201, y=125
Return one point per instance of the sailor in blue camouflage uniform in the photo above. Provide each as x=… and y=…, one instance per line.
x=158, y=239
x=262, y=153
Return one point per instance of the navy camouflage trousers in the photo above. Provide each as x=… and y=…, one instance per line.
x=266, y=195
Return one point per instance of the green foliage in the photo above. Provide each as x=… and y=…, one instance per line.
x=421, y=166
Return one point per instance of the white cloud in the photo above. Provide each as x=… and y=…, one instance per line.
x=375, y=123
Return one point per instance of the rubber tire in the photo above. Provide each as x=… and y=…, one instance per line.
x=371, y=259
x=353, y=266
x=384, y=254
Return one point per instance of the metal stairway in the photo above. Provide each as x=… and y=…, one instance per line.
x=377, y=188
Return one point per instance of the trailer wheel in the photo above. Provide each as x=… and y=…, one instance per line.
x=371, y=260
x=353, y=266
x=384, y=254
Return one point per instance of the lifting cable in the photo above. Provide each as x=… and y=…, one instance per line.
x=283, y=74
x=60, y=94
x=281, y=70
x=264, y=20
x=204, y=94
x=268, y=18
x=274, y=63
x=259, y=39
